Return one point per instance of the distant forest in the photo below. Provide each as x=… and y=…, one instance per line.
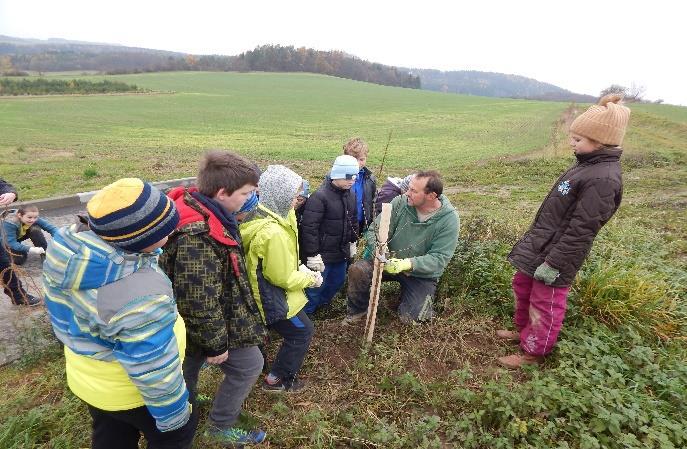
x=113, y=60
x=20, y=55
x=44, y=86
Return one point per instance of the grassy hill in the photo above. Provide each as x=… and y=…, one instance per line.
x=618, y=377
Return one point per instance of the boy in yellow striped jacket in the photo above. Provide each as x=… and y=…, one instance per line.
x=114, y=310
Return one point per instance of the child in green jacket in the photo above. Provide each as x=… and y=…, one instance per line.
x=270, y=241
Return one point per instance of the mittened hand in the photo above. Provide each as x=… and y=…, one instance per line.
x=316, y=276
x=353, y=249
x=318, y=279
x=315, y=263
x=395, y=266
x=36, y=250
x=546, y=273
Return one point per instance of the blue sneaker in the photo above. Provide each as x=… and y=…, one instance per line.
x=235, y=437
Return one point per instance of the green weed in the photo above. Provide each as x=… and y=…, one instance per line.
x=90, y=173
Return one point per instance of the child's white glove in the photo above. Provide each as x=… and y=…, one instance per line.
x=318, y=279
x=316, y=276
x=315, y=263
x=353, y=249
x=36, y=250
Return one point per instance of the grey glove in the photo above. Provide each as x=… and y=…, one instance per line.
x=546, y=273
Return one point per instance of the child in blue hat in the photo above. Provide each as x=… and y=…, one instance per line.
x=329, y=230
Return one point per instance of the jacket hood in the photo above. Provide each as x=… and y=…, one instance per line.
x=279, y=185
x=263, y=217
x=82, y=260
x=192, y=211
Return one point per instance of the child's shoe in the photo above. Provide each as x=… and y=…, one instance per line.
x=294, y=385
x=508, y=335
x=30, y=301
x=236, y=438
x=516, y=361
x=352, y=319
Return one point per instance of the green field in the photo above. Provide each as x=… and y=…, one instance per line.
x=48, y=142
x=617, y=379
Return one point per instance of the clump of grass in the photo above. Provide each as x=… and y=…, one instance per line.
x=90, y=173
x=616, y=295
x=631, y=278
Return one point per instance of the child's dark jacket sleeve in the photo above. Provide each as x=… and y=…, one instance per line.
x=310, y=226
x=6, y=187
x=597, y=203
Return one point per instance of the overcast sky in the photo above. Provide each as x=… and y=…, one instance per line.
x=579, y=45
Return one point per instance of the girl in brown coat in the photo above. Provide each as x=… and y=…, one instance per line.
x=552, y=251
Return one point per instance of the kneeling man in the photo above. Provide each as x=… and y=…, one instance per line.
x=423, y=234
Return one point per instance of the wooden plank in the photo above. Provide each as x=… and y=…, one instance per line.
x=377, y=270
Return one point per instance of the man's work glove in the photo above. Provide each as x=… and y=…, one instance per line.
x=315, y=263
x=546, y=273
x=36, y=250
x=353, y=249
x=395, y=266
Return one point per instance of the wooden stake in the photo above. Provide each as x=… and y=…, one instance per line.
x=377, y=270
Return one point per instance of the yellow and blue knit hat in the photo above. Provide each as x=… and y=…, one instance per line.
x=131, y=214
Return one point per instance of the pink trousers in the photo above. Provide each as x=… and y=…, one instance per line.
x=539, y=313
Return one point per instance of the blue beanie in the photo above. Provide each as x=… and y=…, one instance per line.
x=345, y=167
x=250, y=204
x=131, y=214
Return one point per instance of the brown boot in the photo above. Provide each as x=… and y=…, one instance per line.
x=516, y=361
x=508, y=335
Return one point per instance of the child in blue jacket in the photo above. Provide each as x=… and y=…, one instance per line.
x=25, y=224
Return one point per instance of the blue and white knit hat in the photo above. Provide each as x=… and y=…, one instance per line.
x=345, y=167
x=250, y=204
x=131, y=214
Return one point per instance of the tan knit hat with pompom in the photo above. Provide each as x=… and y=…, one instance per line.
x=605, y=122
